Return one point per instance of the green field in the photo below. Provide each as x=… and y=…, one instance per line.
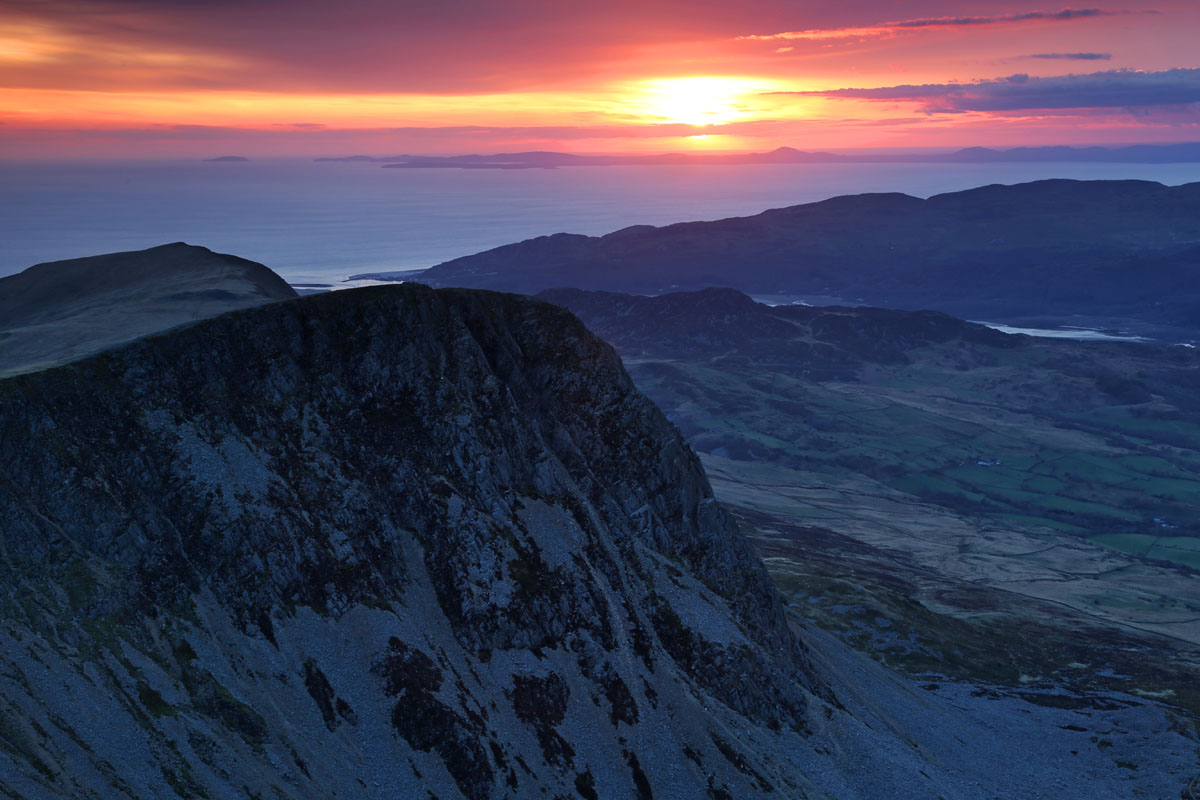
x=1060, y=472
x=1177, y=549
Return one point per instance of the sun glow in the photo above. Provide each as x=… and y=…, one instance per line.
x=697, y=101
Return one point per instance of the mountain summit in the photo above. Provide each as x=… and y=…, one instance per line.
x=62, y=310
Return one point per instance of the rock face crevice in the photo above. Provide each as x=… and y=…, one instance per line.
x=378, y=543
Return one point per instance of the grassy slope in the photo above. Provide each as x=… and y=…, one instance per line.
x=1067, y=556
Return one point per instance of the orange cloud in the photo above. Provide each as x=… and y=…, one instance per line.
x=522, y=71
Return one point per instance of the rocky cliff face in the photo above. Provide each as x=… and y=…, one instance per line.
x=384, y=543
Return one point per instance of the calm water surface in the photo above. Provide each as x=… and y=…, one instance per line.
x=320, y=222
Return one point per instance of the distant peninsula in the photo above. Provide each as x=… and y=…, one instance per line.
x=541, y=159
x=228, y=158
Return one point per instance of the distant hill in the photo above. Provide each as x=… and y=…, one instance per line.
x=540, y=159
x=1059, y=248
x=62, y=310
x=822, y=343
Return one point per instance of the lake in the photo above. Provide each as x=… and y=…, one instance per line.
x=318, y=222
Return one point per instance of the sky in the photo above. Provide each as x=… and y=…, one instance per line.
x=204, y=78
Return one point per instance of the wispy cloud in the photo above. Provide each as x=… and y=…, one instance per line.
x=891, y=28
x=1072, y=56
x=1114, y=89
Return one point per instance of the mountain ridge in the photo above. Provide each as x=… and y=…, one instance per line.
x=59, y=310
x=1115, y=250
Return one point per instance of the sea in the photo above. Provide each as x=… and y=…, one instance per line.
x=321, y=222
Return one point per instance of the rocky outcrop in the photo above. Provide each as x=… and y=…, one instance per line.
x=383, y=543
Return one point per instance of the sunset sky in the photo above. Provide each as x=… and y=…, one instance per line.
x=81, y=78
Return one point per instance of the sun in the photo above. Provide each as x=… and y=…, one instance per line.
x=695, y=101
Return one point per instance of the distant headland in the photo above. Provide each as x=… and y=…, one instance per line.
x=541, y=159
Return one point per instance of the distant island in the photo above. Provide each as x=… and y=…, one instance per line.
x=228, y=158
x=540, y=159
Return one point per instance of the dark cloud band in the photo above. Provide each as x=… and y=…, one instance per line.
x=1112, y=89
x=1054, y=16
x=891, y=28
x=1072, y=56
